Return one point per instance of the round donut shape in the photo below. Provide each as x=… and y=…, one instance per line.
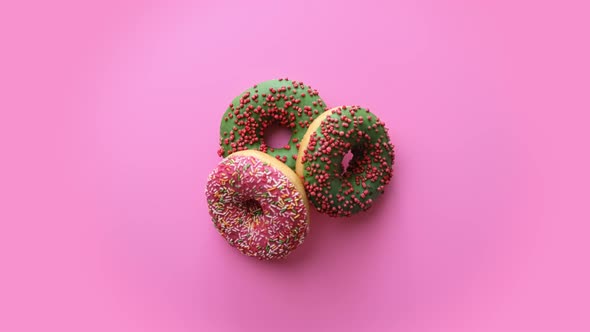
x=287, y=103
x=331, y=188
x=258, y=204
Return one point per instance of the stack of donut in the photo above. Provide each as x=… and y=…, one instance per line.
x=258, y=195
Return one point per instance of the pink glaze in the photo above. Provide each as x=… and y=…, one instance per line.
x=256, y=208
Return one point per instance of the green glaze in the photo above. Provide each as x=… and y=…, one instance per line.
x=287, y=103
x=336, y=191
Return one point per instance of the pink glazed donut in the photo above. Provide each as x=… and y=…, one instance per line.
x=258, y=204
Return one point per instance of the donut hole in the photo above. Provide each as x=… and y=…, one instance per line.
x=346, y=161
x=252, y=207
x=277, y=136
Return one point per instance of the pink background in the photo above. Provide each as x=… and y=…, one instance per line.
x=109, y=115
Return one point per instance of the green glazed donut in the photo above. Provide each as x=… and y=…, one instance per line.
x=289, y=104
x=332, y=189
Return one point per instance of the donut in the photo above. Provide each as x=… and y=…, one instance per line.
x=287, y=103
x=332, y=189
x=258, y=204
